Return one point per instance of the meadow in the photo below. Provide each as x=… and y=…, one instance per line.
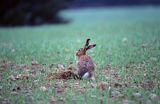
x=127, y=58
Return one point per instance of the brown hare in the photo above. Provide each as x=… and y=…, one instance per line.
x=85, y=64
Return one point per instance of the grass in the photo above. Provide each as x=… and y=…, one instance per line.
x=128, y=48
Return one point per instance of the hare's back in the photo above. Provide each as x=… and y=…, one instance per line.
x=85, y=62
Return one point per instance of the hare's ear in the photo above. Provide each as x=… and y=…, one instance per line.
x=87, y=43
x=91, y=46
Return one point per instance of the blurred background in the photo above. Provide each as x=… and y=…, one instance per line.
x=38, y=12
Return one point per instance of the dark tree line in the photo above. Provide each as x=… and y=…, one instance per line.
x=35, y=12
x=96, y=3
x=30, y=12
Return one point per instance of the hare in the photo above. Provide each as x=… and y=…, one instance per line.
x=85, y=64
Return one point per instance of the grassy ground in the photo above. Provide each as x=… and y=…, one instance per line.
x=127, y=58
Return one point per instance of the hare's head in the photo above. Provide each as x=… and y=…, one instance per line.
x=82, y=51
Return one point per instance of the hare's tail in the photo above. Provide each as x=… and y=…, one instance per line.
x=86, y=75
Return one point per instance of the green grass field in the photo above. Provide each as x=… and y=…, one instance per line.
x=127, y=58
